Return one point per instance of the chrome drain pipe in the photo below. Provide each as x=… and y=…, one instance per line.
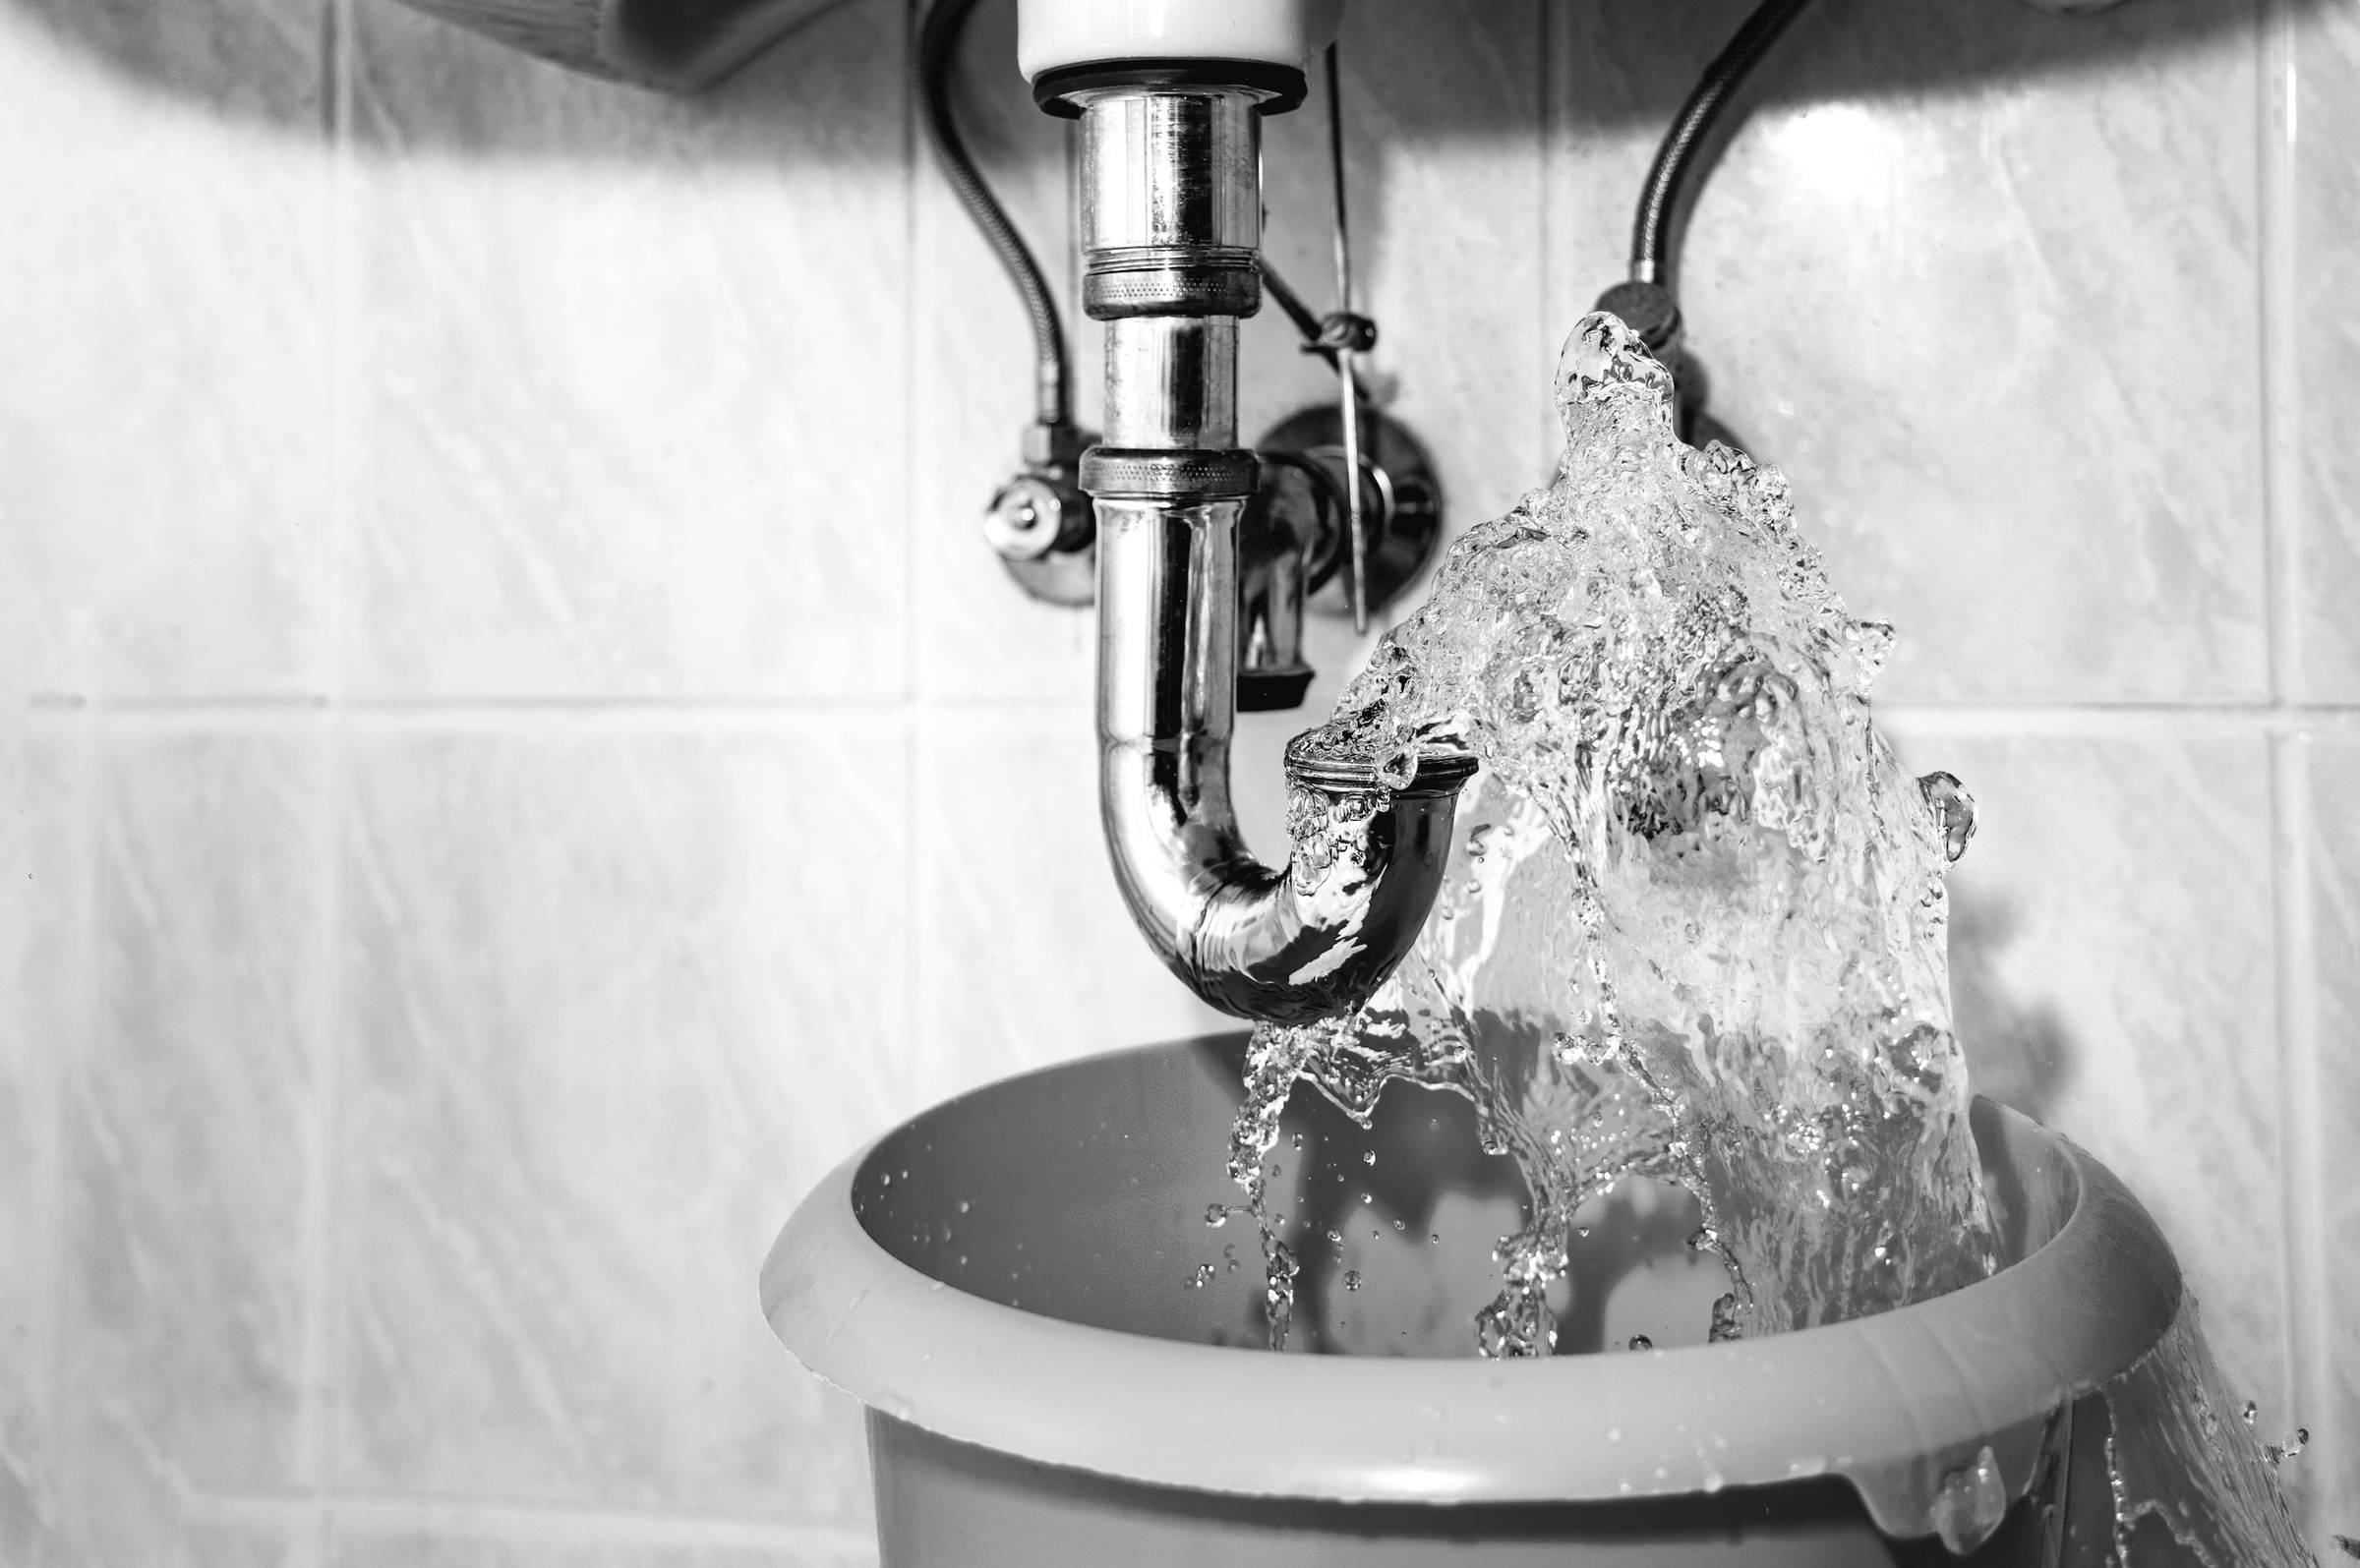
x=1171, y=220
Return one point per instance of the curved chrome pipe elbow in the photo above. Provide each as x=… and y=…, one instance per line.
x=1284, y=946
x=1313, y=940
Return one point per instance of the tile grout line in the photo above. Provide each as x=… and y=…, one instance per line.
x=1555, y=251
x=323, y=1208
x=917, y=853
x=916, y=731
x=913, y=584
x=314, y=1449
x=2293, y=945
x=547, y=1519
x=2299, y=1078
x=2118, y=720
x=63, y=1065
x=1559, y=248
x=315, y=1446
x=344, y=315
x=468, y=712
x=84, y=965
x=522, y=720
x=2279, y=403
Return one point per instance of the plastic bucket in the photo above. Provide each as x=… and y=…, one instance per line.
x=1061, y=1366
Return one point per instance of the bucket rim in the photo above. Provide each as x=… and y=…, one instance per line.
x=1893, y=1402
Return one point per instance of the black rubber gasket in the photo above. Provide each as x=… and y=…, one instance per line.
x=1284, y=86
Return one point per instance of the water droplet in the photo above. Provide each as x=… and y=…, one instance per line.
x=1954, y=811
x=1200, y=1276
x=2276, y=1454
x=1216, y=1214
x=1972, y=1501
x=1369, y=1158
x=1352, y=1279
x=964, y=1205
x=1641, y=1342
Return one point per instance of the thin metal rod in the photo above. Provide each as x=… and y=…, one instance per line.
x=1335, y=170
x=1347, y=381
x=1291, y=306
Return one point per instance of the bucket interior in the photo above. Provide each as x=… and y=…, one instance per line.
x=1082, y=1194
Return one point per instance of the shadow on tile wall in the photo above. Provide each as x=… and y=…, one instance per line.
x=2018, y=1052
x=1649, y=53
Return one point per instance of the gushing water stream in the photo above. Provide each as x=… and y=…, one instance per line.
x=1695, y=926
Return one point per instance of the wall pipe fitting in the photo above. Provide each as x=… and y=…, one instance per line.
x=1171, y=219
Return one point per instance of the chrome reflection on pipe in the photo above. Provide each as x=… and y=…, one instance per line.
x=1171, y=382
x=1170, y=223
x=1284, y=945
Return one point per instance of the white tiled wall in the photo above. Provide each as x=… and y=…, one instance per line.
x=517, y=759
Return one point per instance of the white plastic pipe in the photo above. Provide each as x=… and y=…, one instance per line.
x=1051, y=34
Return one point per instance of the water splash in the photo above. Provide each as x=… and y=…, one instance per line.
x=1273, y=1064
x=2176, y=1462
x=1694, y=926
x=1971, y=1504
